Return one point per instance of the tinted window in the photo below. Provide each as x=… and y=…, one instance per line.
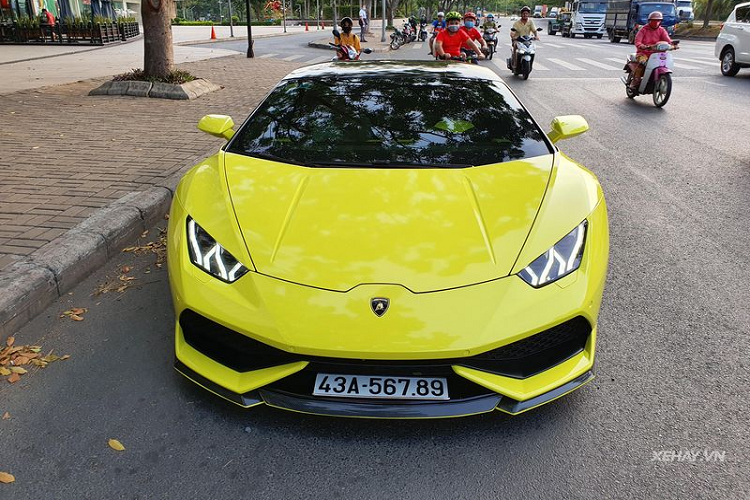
x=391, y=120
x=666, y=9
x=743, y=14
x=593, y=7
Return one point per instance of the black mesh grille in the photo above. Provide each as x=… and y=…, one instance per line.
x=520, y=359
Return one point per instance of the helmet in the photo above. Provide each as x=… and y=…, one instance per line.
x=656, y=15
x=470, y=15
x=441, y=14
x=453, y=15
x=490, y=16
x=346, y=20
x=526, y=8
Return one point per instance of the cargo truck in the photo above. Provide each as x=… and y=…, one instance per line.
x=625, y=17
x=587, y=18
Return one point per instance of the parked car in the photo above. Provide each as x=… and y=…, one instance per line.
x=733, y=43
x=447, y=264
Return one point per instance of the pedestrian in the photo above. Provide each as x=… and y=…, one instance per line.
x=49, y=20
x=363, y=22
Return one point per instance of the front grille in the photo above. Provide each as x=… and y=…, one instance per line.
x=520, y=359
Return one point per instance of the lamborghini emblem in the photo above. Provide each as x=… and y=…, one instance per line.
x=379, y=305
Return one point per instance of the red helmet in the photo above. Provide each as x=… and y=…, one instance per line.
x=470, y=15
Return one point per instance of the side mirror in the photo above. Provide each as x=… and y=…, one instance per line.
x=566, y=127
x=336, y=33
x=539, y=29
x=217, y=125
x=368, y=50
x=513, y=29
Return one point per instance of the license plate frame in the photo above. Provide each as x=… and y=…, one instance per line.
x=405, y=388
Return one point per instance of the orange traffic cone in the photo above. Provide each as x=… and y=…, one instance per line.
x=307, y=28
x=322, y=25
x=213, y=33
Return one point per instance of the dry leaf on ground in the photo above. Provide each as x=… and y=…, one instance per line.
x=116, y=445
x=18, y=370
x=6, y=478
x=4, y=371
x=75, y=313
x=14, y=377
x=9, y=341
x=6, y=416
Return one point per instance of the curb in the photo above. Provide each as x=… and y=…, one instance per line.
x=29, y=286
x=234, y=39
x=321, y=45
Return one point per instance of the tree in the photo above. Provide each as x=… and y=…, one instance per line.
x=158, y=54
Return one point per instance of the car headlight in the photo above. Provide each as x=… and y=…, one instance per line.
x=211, y=257
x=562, y=259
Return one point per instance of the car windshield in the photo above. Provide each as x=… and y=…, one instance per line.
x=593, y=7
x=667, y=9
x=396, y=120
x=684, y=4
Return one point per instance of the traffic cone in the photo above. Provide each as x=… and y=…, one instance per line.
x=307, y=28
x=322, y=25
x=213, y=33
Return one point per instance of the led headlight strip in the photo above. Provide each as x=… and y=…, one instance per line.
x=562, y=259
x=211, y=257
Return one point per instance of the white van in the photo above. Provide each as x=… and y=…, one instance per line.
x=733, y=43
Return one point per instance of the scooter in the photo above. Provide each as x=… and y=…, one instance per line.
x=423, y=32
x=525, y=53
x=397, y=39
x=490, y=36
x=346, y=52
x=657, y=78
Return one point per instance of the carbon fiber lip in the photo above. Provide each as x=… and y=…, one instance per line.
x=248, y=399
x=514, y=407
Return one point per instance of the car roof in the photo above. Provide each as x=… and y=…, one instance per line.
x=374, y=69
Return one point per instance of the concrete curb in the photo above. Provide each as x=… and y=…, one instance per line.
x=237, y=38
x=29, y=286
x=324, y=45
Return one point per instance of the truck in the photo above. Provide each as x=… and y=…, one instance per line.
x=685, y=11
x=587, y=18
x=538, y=11
x=625, y=17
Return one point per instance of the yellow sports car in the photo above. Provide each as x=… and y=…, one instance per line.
x=388, y=239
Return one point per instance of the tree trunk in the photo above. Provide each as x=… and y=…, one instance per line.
x=707, y=15
x=158, y=55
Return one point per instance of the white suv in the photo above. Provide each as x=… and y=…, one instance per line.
x=733, y=43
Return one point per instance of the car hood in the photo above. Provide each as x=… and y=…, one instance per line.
x=425, y=229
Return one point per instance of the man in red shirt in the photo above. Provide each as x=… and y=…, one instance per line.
x=470, y=21
x=647, y=37
x=449, y=42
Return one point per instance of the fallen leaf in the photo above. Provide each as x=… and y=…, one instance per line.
x=4, y=371
x=39, y=363
x=49, y=358
x=20, y=360
x=6, y=416
x=9, y=341
x=116, y=445
x=6, y=478
x=127, y=278
x=76, y=317
x=144, y=233
x=126, y=269
x=35, y=348
x=65, y=357
x=78, y=310
x=14, y=377
x=18, y=370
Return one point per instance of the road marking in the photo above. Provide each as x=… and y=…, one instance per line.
x=685, y=66
x=319, y=59
x=292, y=58
x=266, y=56
x=417, y=46
x=598, y=64
x=717, y=84
x=553, y=45
x=564, y=64
x=620, y=60
x=540, y=67
x=503, y=64
x=715, y=64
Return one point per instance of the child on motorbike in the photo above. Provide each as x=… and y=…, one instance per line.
x=489, y=22
x=647, y=37
x=469, y=27
x=347, y=37
x=449, y=42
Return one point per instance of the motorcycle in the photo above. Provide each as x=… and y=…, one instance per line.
x=525, y=53
x=657, y=78
x=409, y=33
x=346, y=52
x=422, y=32
x=490, y=36
x=397, y=39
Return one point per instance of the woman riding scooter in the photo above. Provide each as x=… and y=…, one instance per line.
x=647, y=37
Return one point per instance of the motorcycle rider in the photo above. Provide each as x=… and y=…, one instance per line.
x=645, y=40
x=470, y=20
x=450, y=41
x=523, y=27
x=437, y=26
x=489, y=22
x=347, y=37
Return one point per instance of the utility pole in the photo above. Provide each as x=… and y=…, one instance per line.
x=382, y=30
x=283, y=13
x=317, y=14
x=250, y=53
x=231, y=22
x=220, y=16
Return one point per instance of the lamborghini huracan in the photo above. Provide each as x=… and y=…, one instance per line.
x=390, y=240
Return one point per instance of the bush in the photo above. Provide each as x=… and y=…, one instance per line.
x=177, y=76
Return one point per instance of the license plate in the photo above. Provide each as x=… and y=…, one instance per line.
x=366, y=386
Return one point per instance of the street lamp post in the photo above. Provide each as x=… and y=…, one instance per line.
x=250, y=52
x=231, y=22
x=317, y=3
x=283, y=13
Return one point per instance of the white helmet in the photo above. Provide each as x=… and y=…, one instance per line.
x=441, y=14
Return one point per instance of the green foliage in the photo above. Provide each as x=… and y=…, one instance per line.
x=28, y=22
x=176, y=76
x=720, y=9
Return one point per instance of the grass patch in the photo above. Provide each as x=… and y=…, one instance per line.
x=176, y=76
x=685, y=30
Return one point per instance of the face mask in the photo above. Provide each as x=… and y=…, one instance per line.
x=469, y=24
x=654, y=24
x=453, y=28
x=347, y=29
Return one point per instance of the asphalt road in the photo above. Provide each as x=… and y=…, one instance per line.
x=672, y=366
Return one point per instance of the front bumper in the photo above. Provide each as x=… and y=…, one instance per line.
x=301, y=341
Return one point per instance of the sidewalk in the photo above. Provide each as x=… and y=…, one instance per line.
x=72, y=64
x=65, y=156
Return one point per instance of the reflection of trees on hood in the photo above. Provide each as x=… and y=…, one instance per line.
x=419, y=118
